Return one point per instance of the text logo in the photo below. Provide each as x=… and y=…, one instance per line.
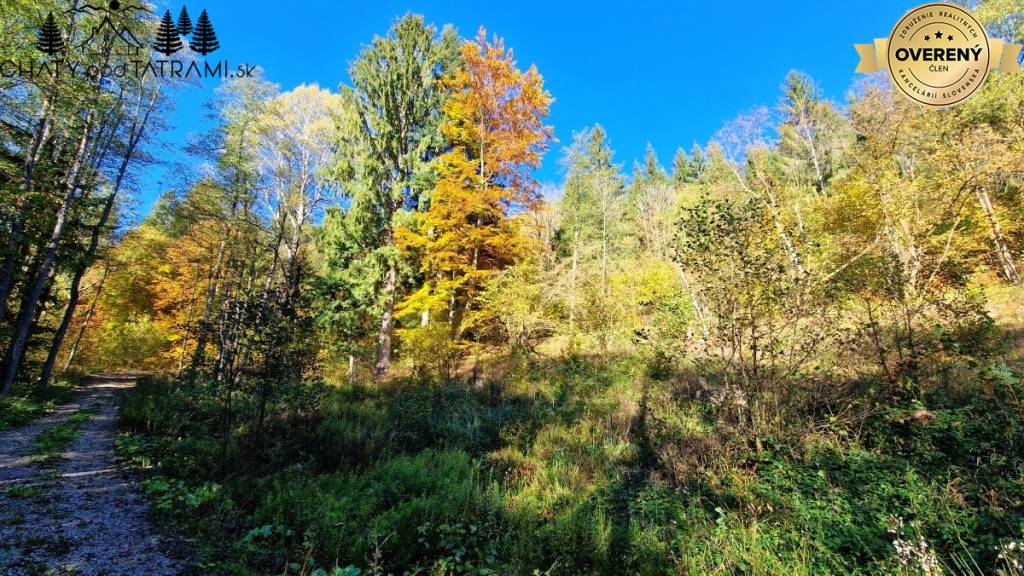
x=103, y=40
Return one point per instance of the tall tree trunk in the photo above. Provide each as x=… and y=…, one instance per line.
x=572, y=288
x=814, y=159
x=23, y=324
x=21, y=211
x=12, y=254
x=698, y=308
x=211, y=292
x=134, y=137
x=40, y=135
x=239, y=185
x=606, y=328
x=76, y=282
x=188, y=320
x=794, y=254
x=1003, y=252
x=387, y=323
x=62, y=329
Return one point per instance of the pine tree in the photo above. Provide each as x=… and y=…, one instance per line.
x=184, y=22
x=50, y=41
x=167, y=40
x=204, y=40
x=652, y=171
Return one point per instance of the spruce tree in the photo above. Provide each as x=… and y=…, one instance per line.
x=184, y=22
x=50, y=41
x=167, y=40
x=204, y=40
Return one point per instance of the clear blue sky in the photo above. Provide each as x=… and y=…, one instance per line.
x=668, y=73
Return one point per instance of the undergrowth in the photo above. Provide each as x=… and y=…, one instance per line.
x=26, y=402
x=579, y=468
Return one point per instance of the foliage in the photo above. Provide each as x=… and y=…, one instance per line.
x=567, y=472
x=797, y=351
x=494, y=125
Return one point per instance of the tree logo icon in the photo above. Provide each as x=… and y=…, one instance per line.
x=169, y=33
x=184, y=22
x=50, y=42
x=167, y=40
x=204, y=39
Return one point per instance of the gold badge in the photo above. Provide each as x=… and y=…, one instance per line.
x=938, y=55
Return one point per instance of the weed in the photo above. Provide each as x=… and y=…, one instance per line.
x=54, y=440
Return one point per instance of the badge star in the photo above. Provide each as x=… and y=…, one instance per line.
x=927, y=38
x=938, y=34
x=949, y=37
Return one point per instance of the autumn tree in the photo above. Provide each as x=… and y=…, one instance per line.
x=813, y=137
x=688, y=168
x=294, y=149
x=74, y=140
x=494, y=121
x=229, y=206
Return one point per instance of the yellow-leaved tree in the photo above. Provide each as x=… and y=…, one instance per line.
x=494, y=123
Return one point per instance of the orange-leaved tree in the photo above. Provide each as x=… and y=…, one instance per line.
x=494, y=123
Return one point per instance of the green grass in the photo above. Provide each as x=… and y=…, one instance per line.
x=56, y=439
x=24, y=405
x=26, y=492
x=554, y=474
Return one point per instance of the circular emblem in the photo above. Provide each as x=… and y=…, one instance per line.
x=938, y=54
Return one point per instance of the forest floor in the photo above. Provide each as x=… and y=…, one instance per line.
x=65, y=505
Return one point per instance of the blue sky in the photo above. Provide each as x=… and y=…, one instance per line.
x=668, y=73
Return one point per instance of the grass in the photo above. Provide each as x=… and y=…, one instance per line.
x=26, y=492
x=33, y=492
x=27, y=403
x=555, y=474
x=55, y=440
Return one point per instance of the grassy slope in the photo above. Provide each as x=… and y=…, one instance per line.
x=579, y=467
x=557, y=473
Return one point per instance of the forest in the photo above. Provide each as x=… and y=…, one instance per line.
x=368, y=341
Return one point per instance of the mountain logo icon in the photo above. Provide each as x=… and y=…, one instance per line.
x=111, y=12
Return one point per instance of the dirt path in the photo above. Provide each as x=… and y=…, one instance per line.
x=77, y=514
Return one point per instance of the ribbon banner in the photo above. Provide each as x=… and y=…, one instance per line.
x=874, y=57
